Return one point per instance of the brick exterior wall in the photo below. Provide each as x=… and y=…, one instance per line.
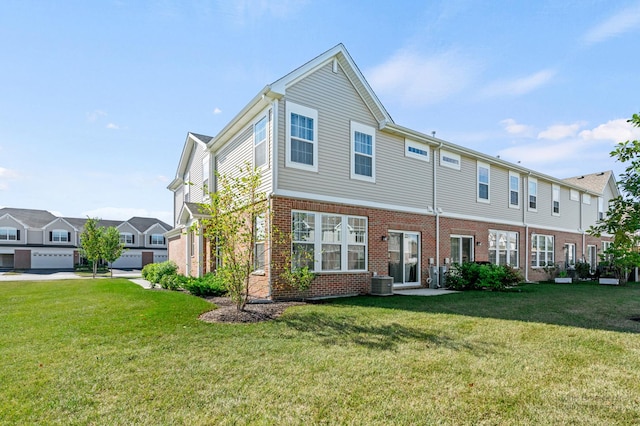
x=176, y=247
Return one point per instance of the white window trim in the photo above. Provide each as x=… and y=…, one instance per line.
x=307, y=112
x=9, y=231
x=265, y=141
x=552, y=251
x=125, y=235
x=206, y=176
x=161, y=243
x=517, y=176
x=510, y=254
x=570, y=248
x=488, y=183
x=532, y=180
x=187, y=187
x=602, y=213
x=586, y=199
x=317, y=242
x=460, y=237
x=362, y=128
x=575, y=195
x=408, y=143
x=555, y=189
x=451, y=155
x=61, y=232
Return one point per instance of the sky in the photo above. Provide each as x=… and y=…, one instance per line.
x=97, y=97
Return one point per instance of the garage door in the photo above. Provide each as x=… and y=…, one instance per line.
x=6, y=261
x=129, y=261
x=40, y=260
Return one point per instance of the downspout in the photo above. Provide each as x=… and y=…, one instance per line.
x=274, y=185
x=435, y=209
x=526, y=228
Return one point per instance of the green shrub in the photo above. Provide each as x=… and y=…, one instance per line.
x=173, y=281
x=208, y=285
x=153, y=272
x=474, y=276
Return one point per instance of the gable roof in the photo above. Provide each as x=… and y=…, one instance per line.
x=31, y=218
x=142, y=224
x=596, y=182
x=192, y=139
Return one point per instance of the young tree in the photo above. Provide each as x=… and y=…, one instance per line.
x=111, y=246
x=91, y=242
x=623, y=216
x=231, y=226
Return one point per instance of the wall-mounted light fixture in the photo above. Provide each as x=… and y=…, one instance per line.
x=478, y=243
x=384, y=238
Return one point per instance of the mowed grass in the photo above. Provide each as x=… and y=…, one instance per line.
x=109, y=352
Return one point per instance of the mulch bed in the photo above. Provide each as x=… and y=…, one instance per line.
x=252, y=313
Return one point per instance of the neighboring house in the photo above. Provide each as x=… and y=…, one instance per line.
x=364, y=196
x=37, y=239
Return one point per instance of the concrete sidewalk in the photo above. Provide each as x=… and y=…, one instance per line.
x=46, y=275
x=424, y=292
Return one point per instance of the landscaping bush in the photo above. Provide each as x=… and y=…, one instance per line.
x=474, y=276
x=209, y=285
x=153, y=272
x=174, y=281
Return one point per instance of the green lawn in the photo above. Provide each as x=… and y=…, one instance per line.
x=108, y=352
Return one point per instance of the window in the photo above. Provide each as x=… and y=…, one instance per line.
x=575, y=195
x=503, y=248
x=126, y=238
x=187, y=186
x=363, y=140
x=416, y=150
x=586, y=199
x=601, y=211
x=156, y=240
x=555, y=196
x=260, y=142
x=259, y=249
x=341, y=244
x=541, y=250
x=533, y=194
x=483, y=183
x=60, y=236
x=449, y=159
x=9, y=234
x=592, y=257
x=302, y=143
x=569, y=255
x=606, y=245
x=461, y=249
x=205, y=176
x=514, y=190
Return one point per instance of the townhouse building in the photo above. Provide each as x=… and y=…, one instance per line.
x=363, y=196
x=37, y=239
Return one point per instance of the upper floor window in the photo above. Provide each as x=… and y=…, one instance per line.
x=260, y=142
x=586, y=199
x=9, y=234
x=60, y=236
x=156, y=240
x=514, y=190
x=555, y=197
x=575, y=196
x=533, y=194
x=542, y=250
x=483, y=182
x=187, y=186
x=126, y=238
x=416, y=150
x=363, y=139
x=601, y=210
x=449, y=159
x=206, y=172
x=302, y=137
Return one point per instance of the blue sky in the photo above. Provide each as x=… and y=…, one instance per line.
x=96, y=98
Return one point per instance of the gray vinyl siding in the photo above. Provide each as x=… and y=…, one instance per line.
x=589, y=213
x=196, y=173
x=178, y=203
x=401, y=181
x=233, y=156
x=457, y=192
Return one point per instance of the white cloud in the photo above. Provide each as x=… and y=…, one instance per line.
x=125, y=213
x=624, y=21
x=561, y=131
x=618, y=130
x=519, y=86
x=92, y=117
x=514, y=128
x=217, y=111
x=6, y=175
x=113, y=126
x=421, y=80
